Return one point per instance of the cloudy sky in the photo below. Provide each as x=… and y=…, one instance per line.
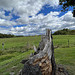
x=32, y=17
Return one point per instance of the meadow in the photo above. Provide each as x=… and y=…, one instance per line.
x=18, y=48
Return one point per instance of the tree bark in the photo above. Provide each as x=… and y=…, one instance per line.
x=43, y=58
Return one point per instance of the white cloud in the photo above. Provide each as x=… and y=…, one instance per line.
x=4, y=22
x=50, y=21
x=37, y=23
x=2, y=15
x=67, y=20
x=4, y=30
x=29, y=7
x=24, y=8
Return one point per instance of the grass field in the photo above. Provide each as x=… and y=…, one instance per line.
x=18, y=48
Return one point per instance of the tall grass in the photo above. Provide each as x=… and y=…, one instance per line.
x=18, y=48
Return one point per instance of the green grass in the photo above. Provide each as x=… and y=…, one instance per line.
x=18, y=48
x=6, y=66
x=62, y=40
x=66, y=56
x=59, y=40
x=18, y=42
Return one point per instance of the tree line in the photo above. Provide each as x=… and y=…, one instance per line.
x=64, y=32
x=6, y=35
x=9, y=35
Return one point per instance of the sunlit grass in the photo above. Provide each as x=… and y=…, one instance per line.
x=66, y=56
x=18, y=48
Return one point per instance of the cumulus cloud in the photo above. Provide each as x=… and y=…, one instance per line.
x=51, y=21
x=4, y=22
x=68, y=20
x=4, y=30
x=29, y=7
x=2, y=15
x=36, y=24
x=23, y=8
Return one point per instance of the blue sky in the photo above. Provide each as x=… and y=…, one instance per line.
x=31, y=17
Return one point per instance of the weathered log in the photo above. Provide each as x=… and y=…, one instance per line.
x=35, y=49
x=43, y=57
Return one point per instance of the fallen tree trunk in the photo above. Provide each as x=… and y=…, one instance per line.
x=42, y=62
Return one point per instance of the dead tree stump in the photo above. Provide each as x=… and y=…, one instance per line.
x=42, y=62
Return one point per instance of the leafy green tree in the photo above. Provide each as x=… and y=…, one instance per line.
x=6, y=35
x=64, y=32
x=66, y=4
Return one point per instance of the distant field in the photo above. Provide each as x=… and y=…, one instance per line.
x=16, y=49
